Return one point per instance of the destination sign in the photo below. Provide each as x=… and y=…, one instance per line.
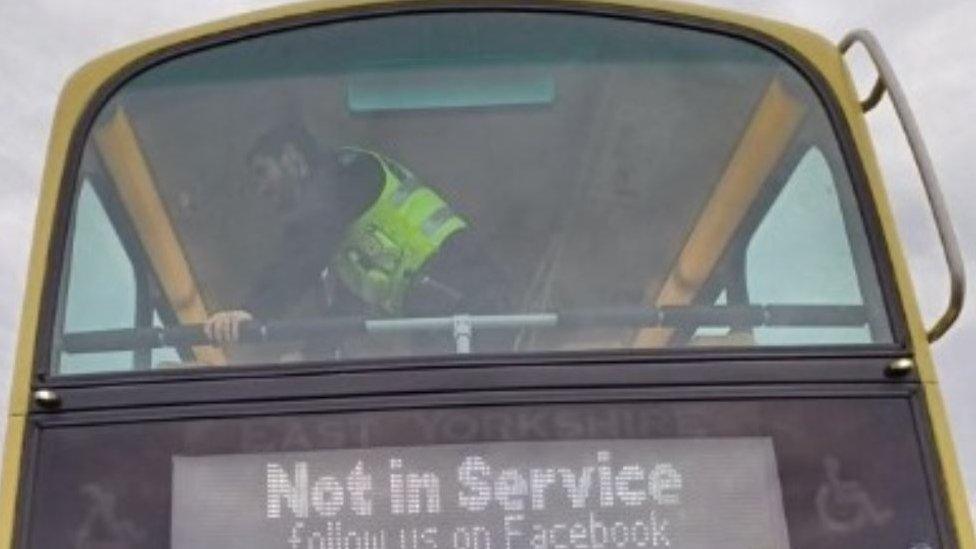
x=584, y=494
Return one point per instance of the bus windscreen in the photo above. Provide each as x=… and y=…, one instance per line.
x=452, y=183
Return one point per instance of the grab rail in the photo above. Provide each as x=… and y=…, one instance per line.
x=463, y=326
x=888, y=82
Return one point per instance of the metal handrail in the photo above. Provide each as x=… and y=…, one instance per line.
x=887, y=81
x=463, y=326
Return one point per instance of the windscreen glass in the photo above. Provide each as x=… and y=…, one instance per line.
x=453, y=183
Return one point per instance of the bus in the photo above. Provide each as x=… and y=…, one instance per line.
x=478, y=275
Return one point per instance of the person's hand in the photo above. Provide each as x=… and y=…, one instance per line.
x=224, y=327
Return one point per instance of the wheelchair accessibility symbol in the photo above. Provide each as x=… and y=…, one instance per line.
x=102, y=527
x=844, y=506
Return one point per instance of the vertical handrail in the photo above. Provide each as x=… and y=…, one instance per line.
x=887, y=81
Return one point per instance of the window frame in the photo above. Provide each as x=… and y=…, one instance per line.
x=839, y=123
x=801, y=148
x=146, y=283
x=94, y=178
x=732, y=268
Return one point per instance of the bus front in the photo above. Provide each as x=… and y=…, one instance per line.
x=429, y=276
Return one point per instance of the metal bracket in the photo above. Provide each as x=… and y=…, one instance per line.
x=900, y=367
x=888, y=82
x=47, y=399
x=463, y=330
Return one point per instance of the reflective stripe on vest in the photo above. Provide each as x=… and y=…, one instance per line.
x=387, y=246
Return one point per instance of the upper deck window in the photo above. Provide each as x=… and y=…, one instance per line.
x=488, y=182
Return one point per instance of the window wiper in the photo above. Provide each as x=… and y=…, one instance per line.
x=464, y=326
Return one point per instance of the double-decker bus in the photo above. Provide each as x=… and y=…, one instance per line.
x=479, y=275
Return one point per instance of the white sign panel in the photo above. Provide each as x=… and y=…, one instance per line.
x=586, y=494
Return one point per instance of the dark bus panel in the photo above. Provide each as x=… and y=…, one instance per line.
x=614, y=469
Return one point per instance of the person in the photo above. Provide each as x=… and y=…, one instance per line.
x=361, y=232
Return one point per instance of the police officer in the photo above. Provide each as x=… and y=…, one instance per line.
x=362, y=232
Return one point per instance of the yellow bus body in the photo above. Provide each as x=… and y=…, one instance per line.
x=83, y=87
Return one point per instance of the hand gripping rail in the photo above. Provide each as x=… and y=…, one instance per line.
x=888, y=82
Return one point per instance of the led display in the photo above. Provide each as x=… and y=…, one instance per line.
x=583, y=494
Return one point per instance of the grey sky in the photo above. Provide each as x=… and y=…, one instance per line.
x=931, y=44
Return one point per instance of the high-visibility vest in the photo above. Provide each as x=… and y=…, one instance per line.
x=385, y=249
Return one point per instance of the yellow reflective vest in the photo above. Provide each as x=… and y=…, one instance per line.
x=385, y=249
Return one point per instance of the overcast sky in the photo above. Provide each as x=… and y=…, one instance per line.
x=931, y=44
